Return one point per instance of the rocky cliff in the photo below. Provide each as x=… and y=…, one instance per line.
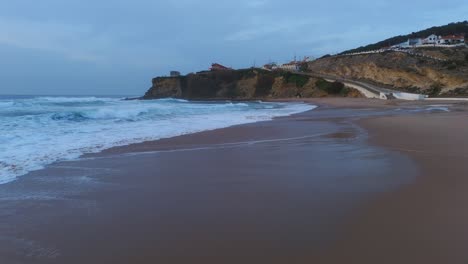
x=418, y=72
x=244, y=84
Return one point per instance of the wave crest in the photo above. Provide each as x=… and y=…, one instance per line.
x=26, y=131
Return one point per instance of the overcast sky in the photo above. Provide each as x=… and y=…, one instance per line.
x=99, y=47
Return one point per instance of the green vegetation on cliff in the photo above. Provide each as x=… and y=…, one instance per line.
x=336, y=88
x=330, y=87
x=298, y=80
x=452, y=28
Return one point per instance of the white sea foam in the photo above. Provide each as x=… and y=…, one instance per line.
x=71, y=99
x=35, y=132
x=438, y=108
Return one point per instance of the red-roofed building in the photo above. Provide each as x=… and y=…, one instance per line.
x=452, y=39
x=219, y=67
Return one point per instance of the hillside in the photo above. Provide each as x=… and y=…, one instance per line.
x=436, y=70
x=447, y=75
x=450, y=29
x=244, y=84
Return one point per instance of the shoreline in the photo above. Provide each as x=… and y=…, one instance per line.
x=131, y=123
x=229, y=181
x=318, y=103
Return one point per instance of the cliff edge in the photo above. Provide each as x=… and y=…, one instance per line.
x=246, y=84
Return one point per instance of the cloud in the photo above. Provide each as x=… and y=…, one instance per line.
x=262, y=27
x=76, y=42
x=256, y=3
x=153, y=37
x=86, y=43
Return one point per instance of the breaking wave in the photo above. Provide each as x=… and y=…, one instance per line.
x=35, y=132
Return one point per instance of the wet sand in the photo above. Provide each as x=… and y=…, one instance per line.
x=302, y=189
x=427, y=221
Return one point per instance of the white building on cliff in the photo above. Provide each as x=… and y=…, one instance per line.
x=432, y=39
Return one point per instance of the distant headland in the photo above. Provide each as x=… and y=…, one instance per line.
x=428, y=63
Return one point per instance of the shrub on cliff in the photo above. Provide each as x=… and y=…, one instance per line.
x=452, y=65
x=456, y=92
x=304, y=67
x=412, y=89
x=247, y=73
x=330, y=87
x=434, y=90
x=299, y=80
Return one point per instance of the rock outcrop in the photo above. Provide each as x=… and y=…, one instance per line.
x=165, y=87
x=244, y=84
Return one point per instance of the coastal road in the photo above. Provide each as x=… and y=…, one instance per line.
x=367, y=89
x=373, y=91
x=370, y=90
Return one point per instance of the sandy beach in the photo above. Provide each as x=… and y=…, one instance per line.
x=353, y=181
x=424, y=222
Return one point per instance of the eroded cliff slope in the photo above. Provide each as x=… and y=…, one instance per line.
x=418, y=72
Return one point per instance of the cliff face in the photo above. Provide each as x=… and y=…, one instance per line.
x=165, y=87
x=241, y=84
x=404, y=71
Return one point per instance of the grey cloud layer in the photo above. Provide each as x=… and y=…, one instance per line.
x=117, y=46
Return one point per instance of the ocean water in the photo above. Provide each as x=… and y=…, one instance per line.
x=37, y=131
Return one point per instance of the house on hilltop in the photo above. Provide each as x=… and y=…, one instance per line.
x=174, y=73
x=452, y=39
x=270, y=66
x=400, y=45
x=290, y=66
x=415, y=42
x=409, y=43
x=432, y=39
x=219, y=67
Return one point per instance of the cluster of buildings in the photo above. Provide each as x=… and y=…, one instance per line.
x=295, y=66
x=289, y=66
x=433, y=40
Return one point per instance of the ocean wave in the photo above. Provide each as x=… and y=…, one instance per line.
x=69, y=116
x=74, y=99
x=51, y=132
x=171, y=100
x=429, y=108
x=115, y=113
x=5, y=104
x=239, y=104
x=438, y=109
